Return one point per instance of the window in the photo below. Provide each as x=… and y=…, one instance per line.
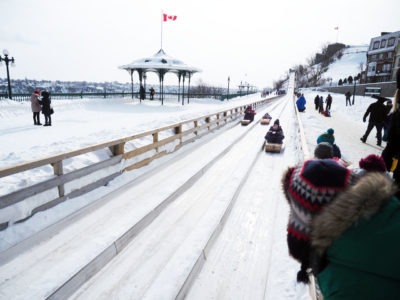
x=390, y=55
x=391, y=42
x=373, y=57
x=376, y=45
x=383, y=43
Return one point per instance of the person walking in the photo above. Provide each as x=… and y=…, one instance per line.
x=348, y=96
x=377, y=114
x=328, y=102
x=36, y=106
x=354, y=244
x=46, y=108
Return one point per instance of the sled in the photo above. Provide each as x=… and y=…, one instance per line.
x=270, y=147
x=245, y=122
x=265, y=121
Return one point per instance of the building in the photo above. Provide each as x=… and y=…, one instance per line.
x=383, y=57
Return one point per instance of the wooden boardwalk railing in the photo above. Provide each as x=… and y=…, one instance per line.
x=60, y=185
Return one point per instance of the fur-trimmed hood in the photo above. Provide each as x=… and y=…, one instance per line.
x=360, y=201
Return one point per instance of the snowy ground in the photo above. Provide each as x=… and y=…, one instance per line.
x=248, y=260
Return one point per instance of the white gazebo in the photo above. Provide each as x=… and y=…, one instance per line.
x=161, y=64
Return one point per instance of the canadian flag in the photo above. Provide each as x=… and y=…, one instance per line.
x=166, y=18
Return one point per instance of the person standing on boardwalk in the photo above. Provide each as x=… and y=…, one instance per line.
x=36, y=106
x=328, y=102
x=46, y=109
x=348, y=96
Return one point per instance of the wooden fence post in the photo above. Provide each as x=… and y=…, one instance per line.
x=58, y=170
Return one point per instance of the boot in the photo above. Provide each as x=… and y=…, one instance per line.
x=363, y=139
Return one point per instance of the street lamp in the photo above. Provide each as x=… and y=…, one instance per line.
x=354, y=87
x=7, y=60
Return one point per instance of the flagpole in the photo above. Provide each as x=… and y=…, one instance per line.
x=337, y=35
x=161, y=27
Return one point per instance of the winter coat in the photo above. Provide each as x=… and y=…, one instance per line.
x=328, y=100
x=35, y=103
x=377, y=112
x=275, y=134
x=249, y=114
x=301, y=103
x=392, y=149
x=46, y=103
x=355, y=244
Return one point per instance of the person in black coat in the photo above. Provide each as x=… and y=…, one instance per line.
x=142, y=93
x=275, y=133
x=392, y=149
x=377, y=112
x=46, y=108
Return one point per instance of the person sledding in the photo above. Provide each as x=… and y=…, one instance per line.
x=249, y=113
x=275, y=134
x=266, y=119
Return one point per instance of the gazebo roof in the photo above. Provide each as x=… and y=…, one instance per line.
x=160, y=62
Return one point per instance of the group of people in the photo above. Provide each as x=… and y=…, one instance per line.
x=41, y=102
x=142, y=93
x=319, y=105
x=344, y=221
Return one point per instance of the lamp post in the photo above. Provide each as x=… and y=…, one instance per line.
x=7, y=60
x=229, y=79
x=354, y=88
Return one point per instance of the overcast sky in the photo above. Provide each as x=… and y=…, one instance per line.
x=253, y=41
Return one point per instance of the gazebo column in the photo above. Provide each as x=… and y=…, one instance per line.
x=131, y=71
x=161, y=74
x=183, y=88
x=179, y=86
x=188, y=95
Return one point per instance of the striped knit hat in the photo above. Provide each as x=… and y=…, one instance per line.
x=308, y=187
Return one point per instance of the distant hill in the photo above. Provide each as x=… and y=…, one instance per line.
x=334, y=62
x=352, y=61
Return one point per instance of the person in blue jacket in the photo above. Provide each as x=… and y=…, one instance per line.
x=301, y=103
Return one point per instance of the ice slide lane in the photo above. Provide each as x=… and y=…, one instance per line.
x=239, y=264
x=159, y=262
x=62, y=260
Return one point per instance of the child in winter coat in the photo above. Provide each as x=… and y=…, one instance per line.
x=308, y=188
x=328, y=137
